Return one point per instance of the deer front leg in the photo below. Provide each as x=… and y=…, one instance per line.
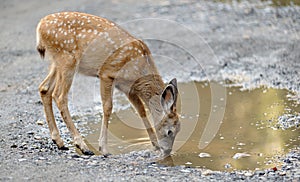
x=137, y=103
x=106, y=96
x=62, y=87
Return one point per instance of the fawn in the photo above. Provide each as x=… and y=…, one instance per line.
x=94, y=46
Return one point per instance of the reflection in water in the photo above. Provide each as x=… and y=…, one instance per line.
x=246, y=128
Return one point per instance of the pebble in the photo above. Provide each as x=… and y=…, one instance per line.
x=248, y=174
x=185, y=171
x=37, y=137
x=227, y=166
x=42, y=158
x=140, y=158
x=207, y=172
x=282, y=173
x=203, y=155
x=240, y=155
x=13, y=146
x=22, y=159
x=40, y=122
x=85, y=156
x=260, y=172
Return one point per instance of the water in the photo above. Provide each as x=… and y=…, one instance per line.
x=248, y=126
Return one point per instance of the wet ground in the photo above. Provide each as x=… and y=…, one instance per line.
x=254, y=45
x=249, y=136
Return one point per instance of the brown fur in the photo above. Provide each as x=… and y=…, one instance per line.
x=96, y=46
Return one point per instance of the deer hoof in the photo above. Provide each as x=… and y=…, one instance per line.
x=63, y=148
x=60, y=147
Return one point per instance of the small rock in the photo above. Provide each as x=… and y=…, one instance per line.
x=274, y=169
x=248, y=174
x=42, y=158
x=240, y=155
x=227, y=166
x=203, y=155
x=260, y=172
x=287, y=161
x=185, y=171
x=40, y=122
x=22, y=159
x=14, y=146
x=207, y=172
x=37, y=137
x=140, y=158
x=30, y=132
x=246, y=36
x=282, y=173
x=85, y=156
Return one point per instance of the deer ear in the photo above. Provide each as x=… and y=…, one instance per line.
x=169, y=96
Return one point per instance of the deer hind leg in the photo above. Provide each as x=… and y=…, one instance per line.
x=137, y=103
x=64, y=78
x=46, y=88
x=106, y=96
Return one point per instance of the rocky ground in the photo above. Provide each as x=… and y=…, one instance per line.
x=250, y=44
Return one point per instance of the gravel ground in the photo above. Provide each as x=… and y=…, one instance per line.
x=253, y=44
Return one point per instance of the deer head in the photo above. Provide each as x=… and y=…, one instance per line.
x=169, y=126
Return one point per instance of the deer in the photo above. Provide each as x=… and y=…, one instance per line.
x=76, y=42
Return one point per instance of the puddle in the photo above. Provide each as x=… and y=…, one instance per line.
x=248, y=127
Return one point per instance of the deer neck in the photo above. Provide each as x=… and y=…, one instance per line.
x=149, y=89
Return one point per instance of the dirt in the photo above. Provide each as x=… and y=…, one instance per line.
x=248, y=44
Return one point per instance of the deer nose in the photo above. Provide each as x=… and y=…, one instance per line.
x=170, y=133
